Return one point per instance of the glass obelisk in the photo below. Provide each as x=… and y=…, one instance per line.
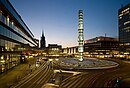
x=81, y=35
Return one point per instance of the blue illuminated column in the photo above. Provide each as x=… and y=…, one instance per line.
x=81, y=36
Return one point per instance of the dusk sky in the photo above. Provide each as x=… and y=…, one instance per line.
x=59, y=18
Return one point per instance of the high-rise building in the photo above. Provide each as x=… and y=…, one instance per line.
x=16, y=39
x=42, y=42
x=124, y=28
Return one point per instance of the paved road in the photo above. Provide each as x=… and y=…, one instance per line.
x=38, y=78
x=99, y=78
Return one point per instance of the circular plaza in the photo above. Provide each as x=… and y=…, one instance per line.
x=88, y=63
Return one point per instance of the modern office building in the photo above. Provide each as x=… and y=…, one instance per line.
x=101, y=46
x=16, y=39
x=42, y=42
x=124, y=29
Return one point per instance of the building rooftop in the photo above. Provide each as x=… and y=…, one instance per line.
x=101, y=38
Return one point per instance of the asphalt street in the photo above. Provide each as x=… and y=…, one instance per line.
x=99, y=78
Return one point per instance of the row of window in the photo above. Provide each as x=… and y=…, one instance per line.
x=125, y=10
x=122, y=14
x=14, y=13
x=124, y=32
x=10, y=46
x=5, y=32
x=6, y=20
x=126, y=28
x=8, y=61
x=127, y=22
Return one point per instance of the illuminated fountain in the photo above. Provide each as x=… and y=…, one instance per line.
x=84, y=63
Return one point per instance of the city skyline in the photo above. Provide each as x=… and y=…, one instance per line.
x=59, y=19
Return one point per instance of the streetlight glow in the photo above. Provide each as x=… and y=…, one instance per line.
x=57, y=59
x=50, y=59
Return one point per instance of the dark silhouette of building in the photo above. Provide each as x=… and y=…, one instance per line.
x=124, y=28
x=42, y=42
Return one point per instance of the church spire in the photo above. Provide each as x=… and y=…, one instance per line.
x=43, y=41
x=42, y=32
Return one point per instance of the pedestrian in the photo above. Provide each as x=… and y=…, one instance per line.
x=29, y=65
x=31, y=69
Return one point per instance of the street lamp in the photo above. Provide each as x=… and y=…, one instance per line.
x=57, y=59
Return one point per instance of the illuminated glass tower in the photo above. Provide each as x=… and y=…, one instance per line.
x=81, y=36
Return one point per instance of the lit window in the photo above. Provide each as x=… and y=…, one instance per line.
x=125, y=10
x=127, y=22
x=8, y=20
x=120, y=17
x=98, y=39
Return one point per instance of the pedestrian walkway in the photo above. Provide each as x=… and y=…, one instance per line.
x=64, y=71
x=16, y=74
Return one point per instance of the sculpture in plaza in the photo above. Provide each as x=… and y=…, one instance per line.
x=81, y=35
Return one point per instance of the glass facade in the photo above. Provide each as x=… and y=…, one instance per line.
x=15, y=37
x=124, y=28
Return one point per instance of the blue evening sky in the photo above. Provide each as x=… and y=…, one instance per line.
x=59, y=18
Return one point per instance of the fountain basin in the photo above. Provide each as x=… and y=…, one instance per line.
x=87, y=63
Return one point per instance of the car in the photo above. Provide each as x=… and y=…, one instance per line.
x=38, y=63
